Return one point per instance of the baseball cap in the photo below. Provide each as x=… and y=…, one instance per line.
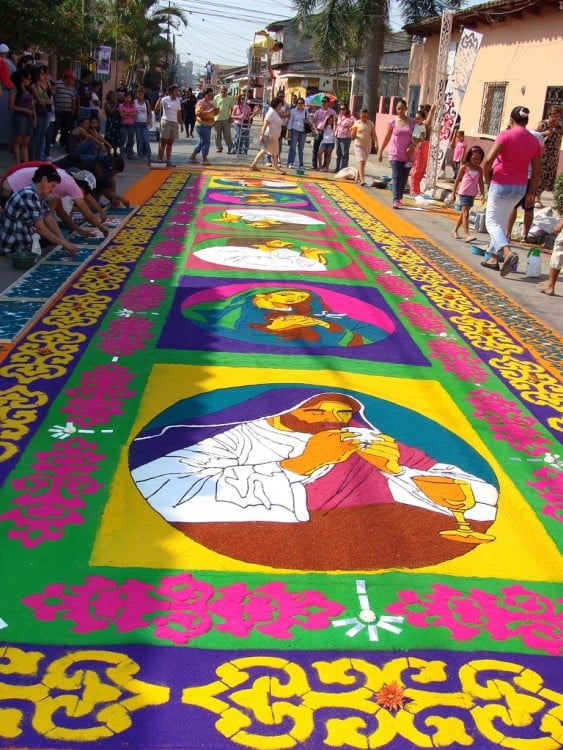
x=4, y=48
x=68, y=74
x=86, y=177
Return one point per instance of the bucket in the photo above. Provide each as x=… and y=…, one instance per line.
x=23, y=260
x=300, y=170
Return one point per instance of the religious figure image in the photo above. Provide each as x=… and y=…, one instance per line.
x=264, y=218
x=292, y=317
x=263, y=254
x=318, y=457
x=254, y=182
x=259, y=197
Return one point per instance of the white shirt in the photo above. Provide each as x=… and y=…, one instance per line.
x=170, y=108
x=141, y=114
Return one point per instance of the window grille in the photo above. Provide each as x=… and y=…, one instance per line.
x=492, y=108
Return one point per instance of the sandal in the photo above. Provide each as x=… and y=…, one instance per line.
x=491, y=266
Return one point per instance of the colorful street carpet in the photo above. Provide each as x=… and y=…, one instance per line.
x=279, y=472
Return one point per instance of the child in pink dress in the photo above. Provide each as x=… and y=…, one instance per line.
x=468, y=184
x=459, y=151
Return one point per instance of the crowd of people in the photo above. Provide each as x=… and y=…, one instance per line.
x=98, y=134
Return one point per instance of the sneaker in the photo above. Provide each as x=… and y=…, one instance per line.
x=396, y=204
x=507, y=265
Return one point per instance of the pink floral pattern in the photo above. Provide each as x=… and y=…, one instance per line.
x=142, y=297
x=457, y=359
x=180, y=607
x=168, y=247
x=99, y=395
x=175, y=231
x=53, y=493
x=125, y=336
x=422, y=317
x=379, y=265
x=395, y=285
x=158, y=268
x=550, y=489
x=516, y=613
x=508, y=423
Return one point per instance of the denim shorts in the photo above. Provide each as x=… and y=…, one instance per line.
x=22, y=125
x=466, y=200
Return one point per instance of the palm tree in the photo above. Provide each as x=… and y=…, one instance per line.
x=144, y=31
x=337, y=26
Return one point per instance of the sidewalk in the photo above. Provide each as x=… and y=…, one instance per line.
x=436, y=225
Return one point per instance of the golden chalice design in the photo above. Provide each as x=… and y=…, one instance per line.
x=457, y=496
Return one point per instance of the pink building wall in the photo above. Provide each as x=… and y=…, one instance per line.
x=525, y=53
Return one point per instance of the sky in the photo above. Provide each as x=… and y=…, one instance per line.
x=222, y=31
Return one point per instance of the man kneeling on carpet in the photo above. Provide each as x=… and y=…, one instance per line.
x=272, y=469
x=73, y=190
x=27, y=217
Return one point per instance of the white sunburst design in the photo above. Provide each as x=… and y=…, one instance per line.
x=367, y=618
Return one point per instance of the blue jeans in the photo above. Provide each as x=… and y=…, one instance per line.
x=297, y=144
x=500, y=203
x=400, y=175
x=142, y=135
x=241, y=143
x=342, y=153
x=204, y=132
x=86, y=147
x=37, y=145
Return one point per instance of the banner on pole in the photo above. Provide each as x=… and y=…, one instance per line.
x=465, y=58
x=104, y=60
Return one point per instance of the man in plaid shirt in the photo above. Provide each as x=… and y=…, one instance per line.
x=26, y=213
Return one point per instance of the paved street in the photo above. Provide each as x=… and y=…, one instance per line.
x=437, y=226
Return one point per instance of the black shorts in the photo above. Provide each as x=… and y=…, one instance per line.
x=522, y=203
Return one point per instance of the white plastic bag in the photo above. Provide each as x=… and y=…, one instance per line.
x=348, y=173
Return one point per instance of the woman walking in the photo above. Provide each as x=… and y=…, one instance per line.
x=506, y=169
x=399, y=133
x=363, y=133
x=205, y=112
x=273, y=123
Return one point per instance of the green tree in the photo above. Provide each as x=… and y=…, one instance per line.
x=338, y=27
x=57, y=27
x=143, y=29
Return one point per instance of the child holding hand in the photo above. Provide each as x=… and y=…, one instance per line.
x=468, y=184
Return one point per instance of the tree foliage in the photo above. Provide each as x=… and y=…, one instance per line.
x=73, y=29
x=341, y=29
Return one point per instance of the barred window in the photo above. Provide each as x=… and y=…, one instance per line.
x=492, y=108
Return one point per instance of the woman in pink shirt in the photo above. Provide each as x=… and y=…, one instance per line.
x=506, y=169
x=128, y=114
x=399, y=133
x=344, y=124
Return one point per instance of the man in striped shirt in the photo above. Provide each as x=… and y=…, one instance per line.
x=65, y=107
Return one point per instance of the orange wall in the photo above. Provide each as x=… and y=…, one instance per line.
x=526, y=52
